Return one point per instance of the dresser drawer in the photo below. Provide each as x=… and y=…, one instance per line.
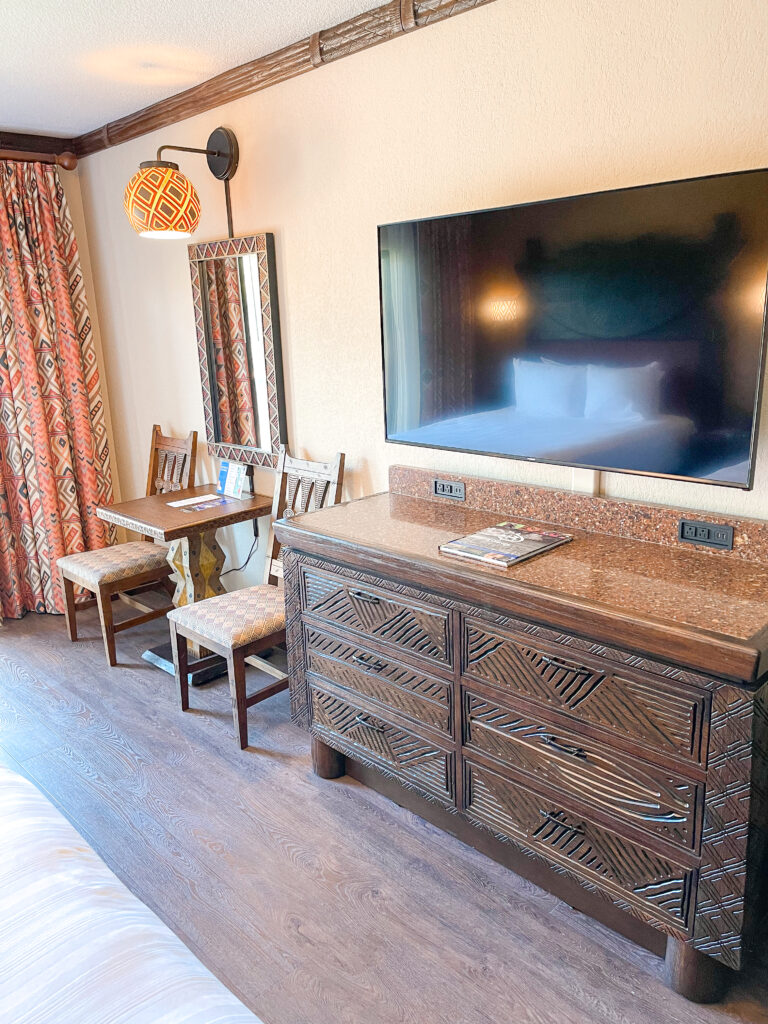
x=372, y=611
x=418, y=762
x=659, y=889
x=633, y=705
x=364, y=670
x=648, y=797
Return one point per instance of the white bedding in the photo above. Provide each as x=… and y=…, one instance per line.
x=76, y=947
x=653, y=445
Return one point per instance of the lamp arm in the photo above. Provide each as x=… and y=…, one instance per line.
x=189, y=149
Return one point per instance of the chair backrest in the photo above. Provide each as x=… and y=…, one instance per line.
x=301, y=486
x=171, y=462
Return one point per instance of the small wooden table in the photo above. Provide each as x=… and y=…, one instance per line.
x=194, y=553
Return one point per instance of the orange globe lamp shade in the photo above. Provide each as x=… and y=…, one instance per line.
x=160, y=202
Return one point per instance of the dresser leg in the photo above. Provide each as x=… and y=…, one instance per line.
x=692, y=974
x=327, y=762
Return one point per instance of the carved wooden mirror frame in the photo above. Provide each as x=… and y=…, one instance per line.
x=263, y=247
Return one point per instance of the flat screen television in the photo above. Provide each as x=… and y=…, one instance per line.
x=621, y=330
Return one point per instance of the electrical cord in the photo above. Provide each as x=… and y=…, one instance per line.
x=239, y=568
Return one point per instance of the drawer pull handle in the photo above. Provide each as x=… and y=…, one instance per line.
x=362, y=596
x=551, y=817
x=556, y=663
x=564, y=748
x=366, y=663
x=362, y=720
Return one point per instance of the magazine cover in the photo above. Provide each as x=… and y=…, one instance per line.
x=505, y=544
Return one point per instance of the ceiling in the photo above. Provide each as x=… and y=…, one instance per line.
x=69, y=67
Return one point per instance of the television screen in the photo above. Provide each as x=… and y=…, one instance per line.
x=620, y=330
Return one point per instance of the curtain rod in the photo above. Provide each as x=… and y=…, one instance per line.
x=66, y=160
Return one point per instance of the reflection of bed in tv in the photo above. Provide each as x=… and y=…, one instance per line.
x=655, y=445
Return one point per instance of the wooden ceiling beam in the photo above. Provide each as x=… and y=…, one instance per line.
x=381, y=24
x=21, y=142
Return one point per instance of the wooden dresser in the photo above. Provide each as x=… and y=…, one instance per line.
x=594, y=718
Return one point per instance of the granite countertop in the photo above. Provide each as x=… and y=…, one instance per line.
x=631, y=579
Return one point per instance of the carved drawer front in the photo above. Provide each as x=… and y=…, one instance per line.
x=411, y=625
x=645, y=796
x=638, y=707
x=416, y=761
x=651, y=885
x=365, y=671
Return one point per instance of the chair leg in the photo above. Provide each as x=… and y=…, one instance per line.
x=180, y=664
x=169, y=587
x=104, y=602
x=236, y=672
x=68, y=593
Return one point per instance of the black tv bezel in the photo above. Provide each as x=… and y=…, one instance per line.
x=756, y=411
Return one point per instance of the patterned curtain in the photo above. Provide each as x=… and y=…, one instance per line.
x=54, y=457
x=237, y=419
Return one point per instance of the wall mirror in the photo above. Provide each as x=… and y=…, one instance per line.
x=234, y=289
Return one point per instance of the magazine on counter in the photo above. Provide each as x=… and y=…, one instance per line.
x=505, y=544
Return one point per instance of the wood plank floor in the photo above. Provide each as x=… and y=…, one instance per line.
x=317, y=902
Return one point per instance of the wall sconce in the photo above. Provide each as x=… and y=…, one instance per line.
x=504, y=310
x=161, y=202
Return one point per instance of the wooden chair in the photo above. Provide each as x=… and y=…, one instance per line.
x=138, y=565
x=241, y=625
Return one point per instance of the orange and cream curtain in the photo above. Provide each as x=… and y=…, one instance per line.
x=54, y=455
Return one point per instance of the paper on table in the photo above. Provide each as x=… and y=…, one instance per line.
x=192, y=501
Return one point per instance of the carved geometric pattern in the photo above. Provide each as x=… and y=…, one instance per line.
x=638, y=709
x=722, y=876
x=646, y=883
x=648, y=797
x=593, y=647
x=197, y=561
x=416, y=629
x=262, y=246
x=404, y=689
x=406, y=755
x=294, y=639
x=170, y=470
x=679, y=726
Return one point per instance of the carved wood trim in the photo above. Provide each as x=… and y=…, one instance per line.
x=315, y=55
x=407, y=15
x=359, y=33
x=261, y=246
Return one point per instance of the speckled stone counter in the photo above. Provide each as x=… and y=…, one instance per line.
x=620, y=588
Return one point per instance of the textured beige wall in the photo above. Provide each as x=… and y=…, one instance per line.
x=520, y=100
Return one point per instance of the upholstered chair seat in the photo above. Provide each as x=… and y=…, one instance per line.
x=91, y=569
x=233, y=620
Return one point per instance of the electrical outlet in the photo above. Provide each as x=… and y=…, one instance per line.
x=449, y=489
x=712, y=535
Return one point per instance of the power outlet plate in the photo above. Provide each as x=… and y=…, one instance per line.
x=449, y=489
x=711, y=535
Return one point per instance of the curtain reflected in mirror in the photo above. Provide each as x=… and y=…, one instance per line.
x=235, y=350
x=228, y=353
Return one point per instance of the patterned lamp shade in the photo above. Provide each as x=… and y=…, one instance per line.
x=160, y=202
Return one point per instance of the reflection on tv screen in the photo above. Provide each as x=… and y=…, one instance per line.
x=621, y=330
